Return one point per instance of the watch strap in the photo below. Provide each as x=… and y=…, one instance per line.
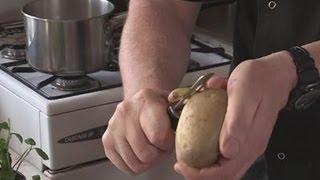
x=307, y=91
x=305, y=66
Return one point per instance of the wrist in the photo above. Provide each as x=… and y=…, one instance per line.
x=285, y=67
x=147, y=90
x=291, y=68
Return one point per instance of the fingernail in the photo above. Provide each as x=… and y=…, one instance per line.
x=230, y=148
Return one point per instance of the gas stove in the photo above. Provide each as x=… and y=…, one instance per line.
x=51, y=87
x=67, y=116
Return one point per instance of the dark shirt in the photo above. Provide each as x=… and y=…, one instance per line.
x=294, y=148
x=260, y=30
x=293, y=152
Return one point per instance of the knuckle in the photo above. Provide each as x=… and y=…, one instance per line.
x=109, y=152
x=158, y=138
x=254, y=66
x=122, y=107
x=147, y=156
x=233, y=84
x=249, y=63
x=107, y=141
x=104, y=138
x=111, y=124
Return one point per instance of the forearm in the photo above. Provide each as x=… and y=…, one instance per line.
x=286, y=66
x=155, y=50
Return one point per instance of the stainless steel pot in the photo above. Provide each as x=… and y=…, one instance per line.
x=67, y=37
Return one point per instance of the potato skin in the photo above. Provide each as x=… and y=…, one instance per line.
x=199, y=128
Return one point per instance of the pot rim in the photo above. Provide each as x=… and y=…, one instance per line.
x=23, y=9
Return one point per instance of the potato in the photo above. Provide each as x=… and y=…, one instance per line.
x=199, y=127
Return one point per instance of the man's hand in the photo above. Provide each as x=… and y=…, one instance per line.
x=257, y=91
x=139, y=132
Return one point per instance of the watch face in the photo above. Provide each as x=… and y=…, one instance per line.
x=306, y=100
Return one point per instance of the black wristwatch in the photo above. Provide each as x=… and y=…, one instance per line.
x=307, y=91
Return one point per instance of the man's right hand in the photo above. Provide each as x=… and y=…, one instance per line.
x=139, y=133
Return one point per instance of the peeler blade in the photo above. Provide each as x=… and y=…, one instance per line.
x=174, y=111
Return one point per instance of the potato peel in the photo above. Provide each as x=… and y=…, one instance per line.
x=177, y=94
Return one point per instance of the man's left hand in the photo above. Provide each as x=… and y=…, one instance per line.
x=257, y=91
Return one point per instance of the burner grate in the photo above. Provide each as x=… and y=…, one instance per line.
x=12, y=40
x=203, y=48
x=22, y=70
x=46, y=82
x=13, y=63
x=43, y=83
x=14, y=52
x=75, y=83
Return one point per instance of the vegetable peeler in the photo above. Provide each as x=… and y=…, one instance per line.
x=175, y=109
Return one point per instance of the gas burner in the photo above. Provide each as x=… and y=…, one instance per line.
x=113, y=65
x=193, y=65
x=11, y=28
x=75, y=83
x=14, y=52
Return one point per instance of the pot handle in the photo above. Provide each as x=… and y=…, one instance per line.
x=113, y=31
x=117, y=20
x=113, y=26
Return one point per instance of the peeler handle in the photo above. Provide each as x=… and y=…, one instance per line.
x=174, y=117
x=174, y=111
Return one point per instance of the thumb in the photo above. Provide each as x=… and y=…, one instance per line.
x=186, y=171
x=217, y=82
x=229, y=146
x=242, y=104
